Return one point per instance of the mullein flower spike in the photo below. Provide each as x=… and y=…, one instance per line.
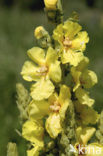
x=58, y=111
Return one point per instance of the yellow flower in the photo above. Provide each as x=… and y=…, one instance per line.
x=83, y=97
x=70, y=42
x=84, y=134
x=51, y=4
x=55, y=107
x=93, y=149
x=33, y=132
x=34, y=151
x=86, y=115
x=82, y=76
x=46, y=67
x=58, y=107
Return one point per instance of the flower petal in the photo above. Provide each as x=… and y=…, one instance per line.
x=87, y=115
x=88, y=79
x=55, y=72
x=51, y=56
x=65, y=94
x=53, y=98
x=71, y=28
x=53, y=125
x=34, y=151
x=42, y=89
x=58, y=33
x=63, y=109
x=29, y=71
x=83, y=64
x=37, y=55
x=83, y=97
x=33, y=132
x=76, y=78
x=64, y=100
x=84, y=134
x=38, y=109
x=79, y=43
x=71, y=57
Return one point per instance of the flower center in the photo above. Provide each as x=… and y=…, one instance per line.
x=67, y=43
x=55, y=107
x=42, y=71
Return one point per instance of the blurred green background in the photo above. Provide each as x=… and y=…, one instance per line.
x=17, y=22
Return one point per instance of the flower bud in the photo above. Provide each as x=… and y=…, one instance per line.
x=51, y=4
x=12, y=149
x=23, y=99
x=38, y=32
x=43, y=37
x=54, y=11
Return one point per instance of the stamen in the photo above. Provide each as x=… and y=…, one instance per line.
x=42, y=71
x=67, y=43
x=55, y=107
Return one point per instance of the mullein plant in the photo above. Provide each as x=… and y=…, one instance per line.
x=58, y=115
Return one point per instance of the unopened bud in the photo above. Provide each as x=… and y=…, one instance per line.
x=51, y=4
x=43, y=37
x=12, y=149
x=39, y=32
x=53, y=9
